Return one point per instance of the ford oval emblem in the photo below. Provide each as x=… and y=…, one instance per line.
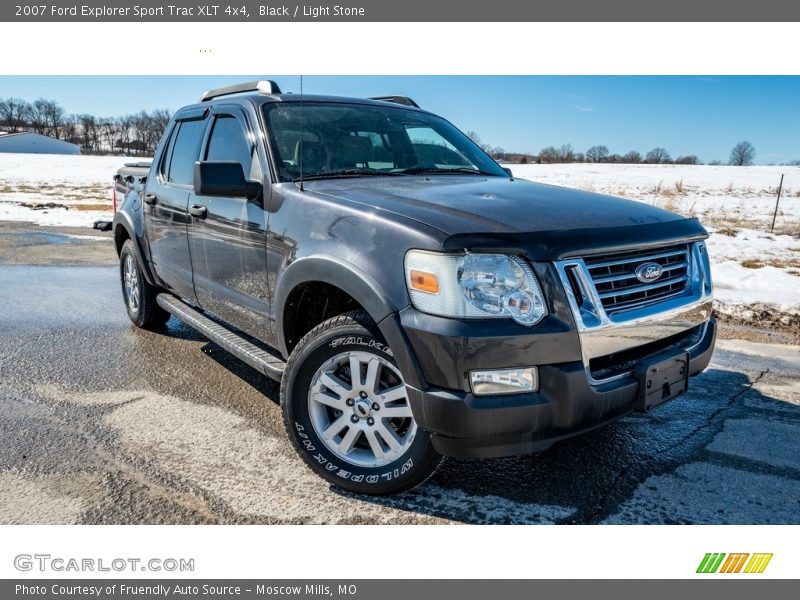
x=649, y=271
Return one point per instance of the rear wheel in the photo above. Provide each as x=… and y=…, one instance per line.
x=138, y=295
x=347, y=411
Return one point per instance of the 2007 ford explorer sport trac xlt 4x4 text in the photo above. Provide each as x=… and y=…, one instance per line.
x=413, y=298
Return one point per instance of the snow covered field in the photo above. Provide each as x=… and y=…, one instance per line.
x=734, y=203
x=79, y=185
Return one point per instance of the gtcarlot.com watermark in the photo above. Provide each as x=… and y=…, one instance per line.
x=58, y=564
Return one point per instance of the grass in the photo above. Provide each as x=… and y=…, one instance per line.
x=780, y=263
x=669, y=203
x=728, y=230
x=100, y=207
x=752, y=263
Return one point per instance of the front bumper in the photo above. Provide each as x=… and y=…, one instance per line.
x=587, y=361
x=569, y=402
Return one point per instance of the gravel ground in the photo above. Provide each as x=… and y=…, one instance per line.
x=103, y=423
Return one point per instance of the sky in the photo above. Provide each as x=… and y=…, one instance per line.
x=699, y=115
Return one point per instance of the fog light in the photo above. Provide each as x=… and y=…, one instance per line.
x=504, y=381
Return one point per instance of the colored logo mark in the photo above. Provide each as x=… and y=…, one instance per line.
x=741, y=562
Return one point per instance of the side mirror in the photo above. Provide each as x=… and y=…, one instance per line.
x=224, y=178
x=508, y=172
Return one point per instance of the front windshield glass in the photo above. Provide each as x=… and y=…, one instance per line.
x=324, y=140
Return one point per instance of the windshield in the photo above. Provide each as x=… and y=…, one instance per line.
x=324, y=140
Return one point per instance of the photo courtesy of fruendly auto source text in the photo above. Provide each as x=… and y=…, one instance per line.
x=374, y=300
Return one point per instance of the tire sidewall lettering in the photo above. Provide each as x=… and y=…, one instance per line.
x=357, y=340
x=343, y=472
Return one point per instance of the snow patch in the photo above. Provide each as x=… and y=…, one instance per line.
x=735, y=284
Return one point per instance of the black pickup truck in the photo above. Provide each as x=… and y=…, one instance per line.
x=413, y=298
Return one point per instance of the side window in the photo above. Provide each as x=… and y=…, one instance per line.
x=167, y=157
x=228, y=142
x=186, y=150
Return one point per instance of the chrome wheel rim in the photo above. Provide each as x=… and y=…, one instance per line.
x=359, y=408
x=130, y=277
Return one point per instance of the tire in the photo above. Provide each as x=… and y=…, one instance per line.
x=138, y=295
x=365, y=450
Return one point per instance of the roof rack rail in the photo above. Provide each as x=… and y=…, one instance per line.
x=265, y=86
x=405, y=100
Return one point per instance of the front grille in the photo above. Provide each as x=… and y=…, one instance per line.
x=614, y=277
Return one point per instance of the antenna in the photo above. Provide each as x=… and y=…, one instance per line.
x=302, y=134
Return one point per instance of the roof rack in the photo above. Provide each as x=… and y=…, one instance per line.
x=405, y=100
x=265, y=86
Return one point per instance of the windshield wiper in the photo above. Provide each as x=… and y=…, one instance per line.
x=360, y=172
x=448, y=171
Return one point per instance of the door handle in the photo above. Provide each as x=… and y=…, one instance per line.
x=199, y=211
x=150, y=198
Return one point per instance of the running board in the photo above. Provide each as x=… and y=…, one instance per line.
x=270, y=365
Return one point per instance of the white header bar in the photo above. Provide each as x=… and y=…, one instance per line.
x=476, y=552
x=362, y=48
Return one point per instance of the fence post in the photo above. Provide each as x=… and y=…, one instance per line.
x=775, y=214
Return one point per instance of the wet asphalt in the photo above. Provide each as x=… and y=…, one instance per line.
x=101, y=422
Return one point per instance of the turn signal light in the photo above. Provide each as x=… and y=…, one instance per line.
x=424, y=282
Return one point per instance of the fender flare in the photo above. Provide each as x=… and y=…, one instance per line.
x=123, y=219
x=364, y=290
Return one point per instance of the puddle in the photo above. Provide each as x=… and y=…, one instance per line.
x=36, y=238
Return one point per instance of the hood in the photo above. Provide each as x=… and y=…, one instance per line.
x=542, y=221
x=458, y=204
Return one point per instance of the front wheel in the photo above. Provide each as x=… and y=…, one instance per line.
x=347, y=412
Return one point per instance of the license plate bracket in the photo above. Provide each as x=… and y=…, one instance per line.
x=661, y=378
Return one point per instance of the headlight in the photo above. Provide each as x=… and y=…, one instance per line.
x=474, y=286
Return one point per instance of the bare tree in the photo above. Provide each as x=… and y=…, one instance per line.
x=13, y=112
x=89, y=132
x=71, y=123
x=691, y=159
x=495, y=151
x=549, y=154
x=742, y=154
x=36, y=116
x=52, y=116
x=597, y=154
x=632, y=157
x=658, y=156
x=473, y=135
x=108, y=134
x=125, y=129
x=566, y=153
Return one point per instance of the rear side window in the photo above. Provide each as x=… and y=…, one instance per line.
x=185, y=151
x=228, y=143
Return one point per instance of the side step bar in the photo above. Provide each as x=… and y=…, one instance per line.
x=272, y=366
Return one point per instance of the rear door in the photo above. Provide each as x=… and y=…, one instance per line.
x=228, y=244
x=167, y=201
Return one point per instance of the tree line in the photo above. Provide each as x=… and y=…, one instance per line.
x=139, y=133
x=742, y=154
x=133, y=134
